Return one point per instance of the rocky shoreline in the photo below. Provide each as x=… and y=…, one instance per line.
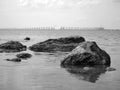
x=81, y=52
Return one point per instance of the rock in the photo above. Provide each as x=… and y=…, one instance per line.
x=87, y=54
x=14, y=60
x=12, y=46
x=24, y=55
x=27, y=38
x=61, y=44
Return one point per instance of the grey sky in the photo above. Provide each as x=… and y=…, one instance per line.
x=82, y=13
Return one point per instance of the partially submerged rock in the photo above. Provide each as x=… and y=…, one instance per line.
x=14, y=60
x=87, y=53
x=24, y=55
x=61, y=44
x=12, y=46
x=27, y=38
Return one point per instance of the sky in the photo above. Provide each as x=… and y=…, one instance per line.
x=56, y=13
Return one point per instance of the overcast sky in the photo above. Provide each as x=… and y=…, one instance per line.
x=82, y=13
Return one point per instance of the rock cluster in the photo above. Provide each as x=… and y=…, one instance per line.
x=20, y=57
x=82, y=53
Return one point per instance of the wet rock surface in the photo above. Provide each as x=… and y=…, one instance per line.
x=87, y=54
x=61, y=44
x=12, y=46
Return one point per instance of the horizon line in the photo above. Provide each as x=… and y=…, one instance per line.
x=61, y=27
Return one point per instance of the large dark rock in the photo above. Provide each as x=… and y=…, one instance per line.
x=24, y=55
x=61, y=44
x=14, y=60
x=87, y=53
x=12, y=46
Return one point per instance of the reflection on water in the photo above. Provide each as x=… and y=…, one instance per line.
x=90, y=74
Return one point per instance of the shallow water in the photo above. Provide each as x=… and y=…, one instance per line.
x=43, y=70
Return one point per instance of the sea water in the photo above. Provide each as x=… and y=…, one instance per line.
x=43, y=70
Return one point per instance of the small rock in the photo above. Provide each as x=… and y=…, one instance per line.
x=14, y=60
x=27, y=38
x=24, y=55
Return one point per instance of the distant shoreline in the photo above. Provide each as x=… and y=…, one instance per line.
x=58, y=28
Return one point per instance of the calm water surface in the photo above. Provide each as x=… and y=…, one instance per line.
x=43, y=71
